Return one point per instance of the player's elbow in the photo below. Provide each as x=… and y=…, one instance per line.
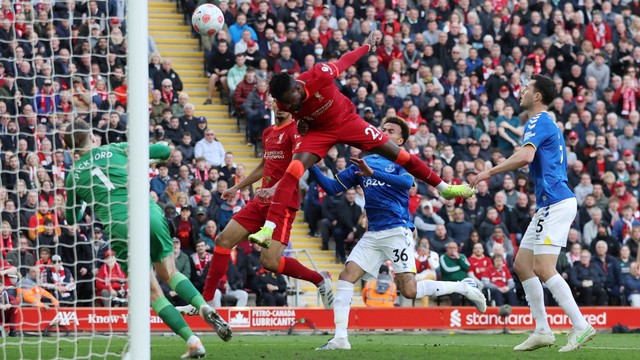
x=529, y=152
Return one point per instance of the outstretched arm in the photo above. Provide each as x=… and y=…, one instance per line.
x=331, y=186
x=401, y=181
x=351, y=57
x=520, y=158
x=255, y=175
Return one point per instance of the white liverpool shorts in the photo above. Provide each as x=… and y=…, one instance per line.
x=548, y=230
x=376, y=247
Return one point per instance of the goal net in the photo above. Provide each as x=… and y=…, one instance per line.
x=62, y=294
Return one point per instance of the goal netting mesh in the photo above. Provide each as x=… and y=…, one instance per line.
x=61, y=296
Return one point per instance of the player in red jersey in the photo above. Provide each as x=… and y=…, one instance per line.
x=278, y=141
x=326, y=117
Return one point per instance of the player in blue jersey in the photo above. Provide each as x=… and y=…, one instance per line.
x=389, y=235
x=543, y=150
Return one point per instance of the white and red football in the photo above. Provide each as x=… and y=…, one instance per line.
x=207, y=20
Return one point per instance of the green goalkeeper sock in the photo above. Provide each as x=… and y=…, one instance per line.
x=172, y=317
x=185, y=289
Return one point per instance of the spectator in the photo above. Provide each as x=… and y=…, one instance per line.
x=453, y=267
x=9, y=309
x=111, y=282
x=7, y=240
x=257, y=111
x=60, y=282
x=185, y=228
x=272, y=287
x=31, y=293
x=613, y=281
x=459, y=229
x=595, y=229
x=169, y=94
x=622, y=228
x=498, y=237
x=345, y=232
x=22, y=257
x=167, y=72
x=159, y=183
x=243, y=90
x=380, y=292
x=588, y=280
x=479, y=264
x=632, y=285
x=218, y=66
x=183, y=265
x=8, y=275
x=209, y=232
x=427, y=261
x=497, y=279
x=633, y=242
x=210, y=149
x=426, y=220
x=236, y=73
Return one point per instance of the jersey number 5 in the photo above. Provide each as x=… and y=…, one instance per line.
x=103, y=178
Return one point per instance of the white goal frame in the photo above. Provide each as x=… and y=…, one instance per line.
x=139, y=270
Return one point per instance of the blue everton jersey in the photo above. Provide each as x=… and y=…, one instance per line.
x=549, y=168
x=387, y=206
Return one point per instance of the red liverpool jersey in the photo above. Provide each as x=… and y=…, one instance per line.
x=479, y=265
x=278, y=145
x=324, y=105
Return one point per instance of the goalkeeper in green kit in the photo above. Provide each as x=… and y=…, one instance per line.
x=99, y=179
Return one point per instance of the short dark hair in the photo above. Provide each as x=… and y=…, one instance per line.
x=403, y=126
x=546, y=87
x=279, y=84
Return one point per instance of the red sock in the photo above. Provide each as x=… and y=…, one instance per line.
x=292, y=267
x=217, y=269
x=418, y=168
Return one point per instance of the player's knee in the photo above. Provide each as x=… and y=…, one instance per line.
x=223, y=241
x=543, y=271
x=521, y=269
x=408, y=292
x=270, y=263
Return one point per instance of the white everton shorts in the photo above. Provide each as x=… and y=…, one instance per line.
x=376, y=247
x=548, y=230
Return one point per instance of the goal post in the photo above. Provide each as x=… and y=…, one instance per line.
x=139, y=263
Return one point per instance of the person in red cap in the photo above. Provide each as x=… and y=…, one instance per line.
x=630, y=161
x=620, y=192
x=600, y=165
x=111, y=283
x=506, y=95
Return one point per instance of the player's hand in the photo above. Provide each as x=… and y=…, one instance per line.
x=365, y=170
x=303, y=127
x=265, y=193
x=229, y=192
x=372, y=41
x=480, y=177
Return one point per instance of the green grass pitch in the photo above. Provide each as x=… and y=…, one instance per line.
x=301, y=347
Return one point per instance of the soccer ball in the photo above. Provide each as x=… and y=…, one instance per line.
x=207, y=20
x=470, y=282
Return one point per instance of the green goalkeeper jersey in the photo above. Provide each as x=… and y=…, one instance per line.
x=99, y=179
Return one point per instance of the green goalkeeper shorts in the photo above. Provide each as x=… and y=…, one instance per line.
x=161, y=243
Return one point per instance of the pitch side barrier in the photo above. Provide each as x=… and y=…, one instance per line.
x=278, y=318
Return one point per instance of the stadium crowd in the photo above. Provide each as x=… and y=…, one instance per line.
x=452, y=69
